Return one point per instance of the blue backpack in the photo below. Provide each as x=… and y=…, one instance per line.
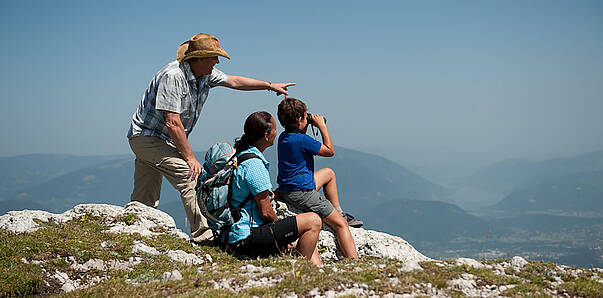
x=214, y=188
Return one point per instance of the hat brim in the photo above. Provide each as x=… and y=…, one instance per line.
x=181, y=54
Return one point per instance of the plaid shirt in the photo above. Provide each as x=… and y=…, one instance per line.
x=173, y=89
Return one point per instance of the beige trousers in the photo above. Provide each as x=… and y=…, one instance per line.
x=155, y=158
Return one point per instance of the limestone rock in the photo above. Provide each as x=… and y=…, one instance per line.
x=518, y=263
x=469, y=262
x=410, y=266
x=467, y=286
x=23, y=221
x=67, y=285
x=368, y=243
x=171, y=276
x=147, y=218
x=97, y=264
x=140, y=247
x=123, y=265
x=184, y=257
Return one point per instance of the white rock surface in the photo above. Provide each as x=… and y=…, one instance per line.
x=184, y=257
x=467, y=286
x=67, y=285
x=123, y=265
x=518, y=263
x=171, y=276
x=23, y=221
x=410, y=266
x=148, y=219
x=252, y=270
x=97, y=264
x=140, y=247
x=368, y=243
x=209, y=258
x=469, y=262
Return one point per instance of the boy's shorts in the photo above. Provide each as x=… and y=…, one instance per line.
x=308, y=200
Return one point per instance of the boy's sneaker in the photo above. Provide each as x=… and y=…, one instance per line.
x=352, y=221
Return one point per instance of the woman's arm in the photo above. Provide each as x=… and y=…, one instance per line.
x=266, y=211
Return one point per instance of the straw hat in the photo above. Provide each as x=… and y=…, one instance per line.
x=200, y=46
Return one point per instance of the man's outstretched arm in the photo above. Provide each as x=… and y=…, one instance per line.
x=245, y=83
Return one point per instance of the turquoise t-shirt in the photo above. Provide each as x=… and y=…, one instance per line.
x=251, y=178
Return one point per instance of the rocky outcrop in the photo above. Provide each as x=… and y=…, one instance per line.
x=138, y=218
x=134, y=218
x=368, y=243
x=467, y=276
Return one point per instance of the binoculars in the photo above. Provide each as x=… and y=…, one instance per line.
x=310, y=122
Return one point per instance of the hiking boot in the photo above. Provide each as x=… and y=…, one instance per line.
x=352, y=221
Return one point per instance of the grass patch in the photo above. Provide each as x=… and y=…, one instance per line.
x=128, y=219
x=584, y=288
x=51, y=245
x=538, y=273
x=436, y=275
x=525, y=289
x=19, y=279
x=486, y=276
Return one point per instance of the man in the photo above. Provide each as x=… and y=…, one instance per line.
x=168, y=112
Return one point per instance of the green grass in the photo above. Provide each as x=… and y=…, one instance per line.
x=129, y=219
x=487, y=277
x=584, y=288
x=53, y=245
x=526, y=289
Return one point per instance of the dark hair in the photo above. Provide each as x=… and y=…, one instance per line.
x=289, y=110
x=256, y=126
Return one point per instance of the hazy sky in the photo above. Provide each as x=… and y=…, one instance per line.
x=471, y=79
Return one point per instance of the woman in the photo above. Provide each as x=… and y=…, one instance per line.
x=258, y=232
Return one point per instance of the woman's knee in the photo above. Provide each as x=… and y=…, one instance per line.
x=316, y=221
x=309, y=221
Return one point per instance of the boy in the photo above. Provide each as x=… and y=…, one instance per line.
x=298, y=183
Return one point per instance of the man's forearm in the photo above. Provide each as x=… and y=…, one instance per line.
x=245, y=83
x=180, y=141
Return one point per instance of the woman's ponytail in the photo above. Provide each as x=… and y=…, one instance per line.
x=256, y=126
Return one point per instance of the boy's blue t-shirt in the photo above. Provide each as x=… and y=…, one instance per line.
x=296, y=161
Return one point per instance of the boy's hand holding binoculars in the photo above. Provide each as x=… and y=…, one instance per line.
x=318, y=121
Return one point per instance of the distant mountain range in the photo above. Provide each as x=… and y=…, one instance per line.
x=24, y=171
x=386, y=195
x=58, y=182
x=416, y=220
x=572, y=184
x=573, y=192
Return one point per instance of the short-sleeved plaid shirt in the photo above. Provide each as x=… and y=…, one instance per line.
x=173, y=89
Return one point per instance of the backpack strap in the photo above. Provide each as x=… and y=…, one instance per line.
x=237, y=210
x=242, y=158
x=246, y=156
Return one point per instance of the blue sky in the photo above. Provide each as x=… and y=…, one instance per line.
x=410, y=80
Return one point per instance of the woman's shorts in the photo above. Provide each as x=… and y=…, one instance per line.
x=308, y=200
x=269, y=239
